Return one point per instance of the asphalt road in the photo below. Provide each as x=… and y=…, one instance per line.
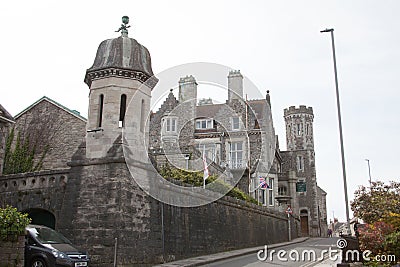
x=313, y=252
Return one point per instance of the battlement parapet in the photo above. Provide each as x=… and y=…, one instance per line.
x=187, y=79
x=300, y=110
x=234, y=73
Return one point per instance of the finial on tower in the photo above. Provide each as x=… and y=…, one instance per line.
x=124, y=27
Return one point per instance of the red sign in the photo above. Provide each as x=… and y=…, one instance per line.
x=289, y=210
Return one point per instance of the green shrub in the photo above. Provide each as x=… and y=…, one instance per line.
x=12, y=223
x=196, y=179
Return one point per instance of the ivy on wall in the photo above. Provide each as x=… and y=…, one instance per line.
x=20, y=158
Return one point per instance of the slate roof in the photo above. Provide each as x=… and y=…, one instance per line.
x=45, y=98
x=210, y=110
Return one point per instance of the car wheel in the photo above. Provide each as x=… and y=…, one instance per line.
x=38, y=263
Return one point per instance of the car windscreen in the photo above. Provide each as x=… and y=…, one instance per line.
x=48, y=236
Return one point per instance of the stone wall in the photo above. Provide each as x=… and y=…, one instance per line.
x=40, y=190
x=97, y=201
x=12, y=253
x=109, y=204
x=226, y=224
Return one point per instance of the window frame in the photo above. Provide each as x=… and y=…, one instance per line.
x=233, y=123
x=271, y=197
x=236, y=151
x=208, y=123
x=169, y=123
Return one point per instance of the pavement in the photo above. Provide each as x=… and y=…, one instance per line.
x=202, y=260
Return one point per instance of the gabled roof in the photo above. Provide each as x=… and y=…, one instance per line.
x=5, y=115
x=45, y=98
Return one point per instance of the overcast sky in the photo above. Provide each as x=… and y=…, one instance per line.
x=47, y=46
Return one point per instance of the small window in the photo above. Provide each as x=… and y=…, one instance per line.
x=142, y=116
x=122, y=109
x=204, y=124
x=299, y=129
x=271, y=192
x=170, y=125
x=235, y=123
x=282, y=191
x=101, y=104
x=300, y=163
x=209, y=150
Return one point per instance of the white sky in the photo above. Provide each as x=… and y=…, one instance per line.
x=47, y=46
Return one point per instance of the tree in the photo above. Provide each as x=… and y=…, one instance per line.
x=379, y=207
x=380, y=202
x=12, y=223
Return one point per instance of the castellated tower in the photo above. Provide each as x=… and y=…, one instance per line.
x=120, y=68
x=299, y=128
x=235, y=85
x=300, y=157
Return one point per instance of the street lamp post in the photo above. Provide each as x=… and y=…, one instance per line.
x=340, y=128
x=369, y=172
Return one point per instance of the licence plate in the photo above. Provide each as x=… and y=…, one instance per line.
x=79, y=264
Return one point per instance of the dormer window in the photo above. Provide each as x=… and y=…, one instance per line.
x=204, y=124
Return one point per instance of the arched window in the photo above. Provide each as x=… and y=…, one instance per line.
x=142, y=116
x=122, y=110
x=100, y=116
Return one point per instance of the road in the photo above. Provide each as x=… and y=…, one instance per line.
x=313, y=252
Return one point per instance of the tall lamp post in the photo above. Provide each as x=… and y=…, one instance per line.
x=346, y=199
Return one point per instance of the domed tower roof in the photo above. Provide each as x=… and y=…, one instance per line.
x=122, y=56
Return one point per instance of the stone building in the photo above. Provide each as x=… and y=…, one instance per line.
x=239, y=137
x=6, y=122
x=86, y=191
x=55, y=129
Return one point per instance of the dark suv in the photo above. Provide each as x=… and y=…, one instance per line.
x=47, y=248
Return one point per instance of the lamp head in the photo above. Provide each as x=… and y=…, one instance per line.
x=327, y=30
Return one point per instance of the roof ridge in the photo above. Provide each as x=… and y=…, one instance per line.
x=72, y=112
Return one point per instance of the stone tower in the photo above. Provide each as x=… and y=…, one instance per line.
x=235, y=85
x=300, y=148
x=121, y=73
x=105, y=201
x=299, y=128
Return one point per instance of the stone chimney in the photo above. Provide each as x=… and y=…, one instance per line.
x=235, y=85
